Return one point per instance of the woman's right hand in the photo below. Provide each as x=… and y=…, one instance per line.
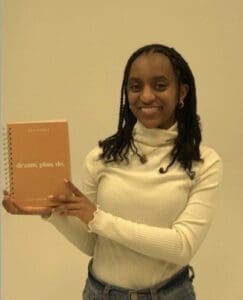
x=12, y=207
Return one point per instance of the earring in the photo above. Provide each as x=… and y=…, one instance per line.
x=181, y=104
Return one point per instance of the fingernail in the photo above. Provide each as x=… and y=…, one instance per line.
x=50, y=197
x=66, y=180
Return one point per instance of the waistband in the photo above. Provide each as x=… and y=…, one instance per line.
x=186, y=272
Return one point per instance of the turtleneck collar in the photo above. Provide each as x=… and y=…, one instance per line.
x=154, y=137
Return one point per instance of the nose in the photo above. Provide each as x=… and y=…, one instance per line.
x=147, y=95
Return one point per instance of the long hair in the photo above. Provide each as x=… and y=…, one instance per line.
x=186, y=144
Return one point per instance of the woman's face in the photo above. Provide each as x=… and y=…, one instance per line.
x=153, y=91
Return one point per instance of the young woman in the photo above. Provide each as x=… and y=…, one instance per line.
x=148, y=195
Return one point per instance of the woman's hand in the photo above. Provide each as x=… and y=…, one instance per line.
x=11, y=206
x=77, y=205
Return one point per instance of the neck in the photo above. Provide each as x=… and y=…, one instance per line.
x=155, y=137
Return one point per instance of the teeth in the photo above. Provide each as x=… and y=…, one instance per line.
x=152, y=108
x=149, y=106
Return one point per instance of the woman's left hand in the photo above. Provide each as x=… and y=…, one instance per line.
x=76, y=205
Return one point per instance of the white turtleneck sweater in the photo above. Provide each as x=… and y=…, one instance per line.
x=147, y=225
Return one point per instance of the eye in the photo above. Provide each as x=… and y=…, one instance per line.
x=160, y=86
x=134, y=87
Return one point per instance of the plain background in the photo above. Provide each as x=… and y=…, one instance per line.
x=65, y=59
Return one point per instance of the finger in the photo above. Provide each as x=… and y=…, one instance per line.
x=9, y=204
x=30, y=210
x=6, y=193
x=74, y=213
x=7, y=199
x=68, y=207
x=58, y=198
x=64, y=198
x=15, y=208
x=73, y=188
x=10, y=208
x=38, y=210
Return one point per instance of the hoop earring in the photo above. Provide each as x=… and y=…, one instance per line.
x=180, y=104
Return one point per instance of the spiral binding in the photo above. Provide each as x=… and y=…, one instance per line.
x=7, y=160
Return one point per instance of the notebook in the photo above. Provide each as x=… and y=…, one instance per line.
x=38, y=160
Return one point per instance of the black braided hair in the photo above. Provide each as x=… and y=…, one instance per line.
x=186, y=145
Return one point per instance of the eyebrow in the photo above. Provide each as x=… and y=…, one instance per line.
x=153, y=78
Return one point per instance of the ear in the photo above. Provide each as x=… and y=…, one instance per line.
x=184, y=89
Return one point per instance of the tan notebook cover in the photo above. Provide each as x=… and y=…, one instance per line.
x=39, y=160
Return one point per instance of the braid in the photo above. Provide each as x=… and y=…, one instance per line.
x=186, y=145
x=189, y=133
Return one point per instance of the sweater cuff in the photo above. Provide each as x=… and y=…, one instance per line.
x=92, y=223
x=49, y=218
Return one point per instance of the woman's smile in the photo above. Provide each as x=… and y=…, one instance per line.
x=150, y=111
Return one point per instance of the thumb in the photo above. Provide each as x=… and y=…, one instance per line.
x=73, y=188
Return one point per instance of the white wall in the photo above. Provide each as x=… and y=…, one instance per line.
x=66, y=59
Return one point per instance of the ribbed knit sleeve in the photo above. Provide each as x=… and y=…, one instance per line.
x=179, y=243
x=74, y=230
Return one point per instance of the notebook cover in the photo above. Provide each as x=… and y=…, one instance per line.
x=39, y=160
